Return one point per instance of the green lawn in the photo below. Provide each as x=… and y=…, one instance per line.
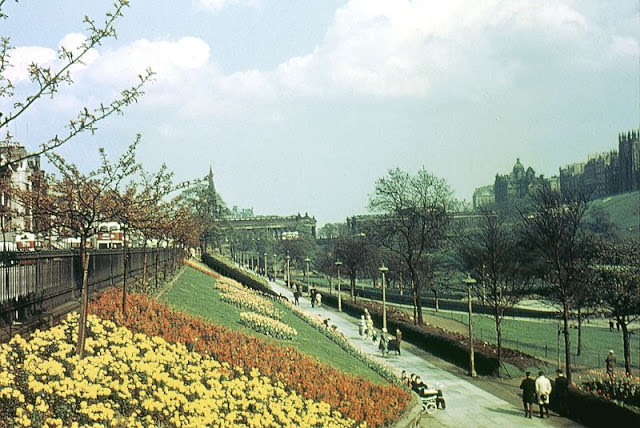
x=540, y=338
x=193, y=292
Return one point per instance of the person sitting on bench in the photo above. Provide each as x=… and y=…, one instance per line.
x=424, y=390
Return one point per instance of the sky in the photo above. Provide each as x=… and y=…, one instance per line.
x=300, y=106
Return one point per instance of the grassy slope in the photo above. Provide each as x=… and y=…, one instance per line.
x=624, y=210
x=194, y=293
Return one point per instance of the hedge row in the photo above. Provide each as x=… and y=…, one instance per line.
x=593, y=411
x=443, y=347
x=226, y=268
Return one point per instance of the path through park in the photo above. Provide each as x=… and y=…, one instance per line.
x=467, y=404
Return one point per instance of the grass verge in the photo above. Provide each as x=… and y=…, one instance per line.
x=193, y=293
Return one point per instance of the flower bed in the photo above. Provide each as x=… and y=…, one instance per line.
x=621, y=388
x=267, y=326
x=353, y=397
x=129, y=379
x=244, y=298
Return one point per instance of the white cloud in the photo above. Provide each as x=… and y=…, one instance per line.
x=216, y=5
x=22, y=57
x=172, y=61
x=625, y=46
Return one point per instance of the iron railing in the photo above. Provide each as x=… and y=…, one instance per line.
x=34, y=282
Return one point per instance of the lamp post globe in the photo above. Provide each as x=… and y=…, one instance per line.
x=338, y=264
x=266, y=269
x=469, y=282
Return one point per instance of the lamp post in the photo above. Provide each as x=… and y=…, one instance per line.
x=288, y=271
x=468, y=281
x=307, y=261
x=383, y=269
x=266, y=268
x=275, y=273
x=338, y=264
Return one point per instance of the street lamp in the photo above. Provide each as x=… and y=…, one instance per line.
x=288, y=271
x=307, y=261
x=266, y=268
x=468, y=281
x=383, y=269
x=338, y=264
x=275, y=273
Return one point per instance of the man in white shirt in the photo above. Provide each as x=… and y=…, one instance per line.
x=543, y=390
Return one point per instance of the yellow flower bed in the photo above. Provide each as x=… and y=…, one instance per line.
x=134, y=380
x=245, y=298
x=268, y=326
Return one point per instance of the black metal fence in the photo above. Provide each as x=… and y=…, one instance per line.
x=34, y=282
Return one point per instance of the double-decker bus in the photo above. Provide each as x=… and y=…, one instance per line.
x=26, y=241
x=109, y=235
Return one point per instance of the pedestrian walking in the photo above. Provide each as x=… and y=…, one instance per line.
x=610, y=363
x=384, y=342
x=318, y=299
x=313, y=297
x=296, y=298
x=610, y=325
x=543, y=391
x=398, y=339
x=528, y=387
x=362, y=326
x=369, y=322
x=560, y=393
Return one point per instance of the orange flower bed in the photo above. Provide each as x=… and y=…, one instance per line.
x=355, y=398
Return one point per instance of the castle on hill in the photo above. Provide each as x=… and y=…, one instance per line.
x=603, y=174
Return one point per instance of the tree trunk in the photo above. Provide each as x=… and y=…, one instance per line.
x=498, y=320
x=124, y=273
x=626, y=343
x=84, y=302
x=415, y=305
x=436, y=298
x=418, y=302
x=579, y=352
x=352, y=281
x=567, y=340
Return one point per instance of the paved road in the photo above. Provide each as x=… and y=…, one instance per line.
x=467, y=404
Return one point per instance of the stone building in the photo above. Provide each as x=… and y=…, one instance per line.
x=484, y=196
x=629, y=161
x=16, y=170
x=607, y=173
x=516, y=185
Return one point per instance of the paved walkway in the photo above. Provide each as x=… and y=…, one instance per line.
x=467, y=404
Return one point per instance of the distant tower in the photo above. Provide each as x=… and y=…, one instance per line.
x=629, y=161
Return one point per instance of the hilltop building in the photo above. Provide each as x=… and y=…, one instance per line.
x=511, y=187
x=484, y=196
x=607, y=173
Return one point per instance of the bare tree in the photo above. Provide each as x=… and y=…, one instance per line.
x=616, y=281
x=414, y=214
x=552, y=229
x=357, y=254
x=76, y=202
x=488, y=251
x=47, y=81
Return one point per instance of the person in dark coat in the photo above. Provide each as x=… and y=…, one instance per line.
x=560, y=392
x=528, y=387
x=610, y=362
